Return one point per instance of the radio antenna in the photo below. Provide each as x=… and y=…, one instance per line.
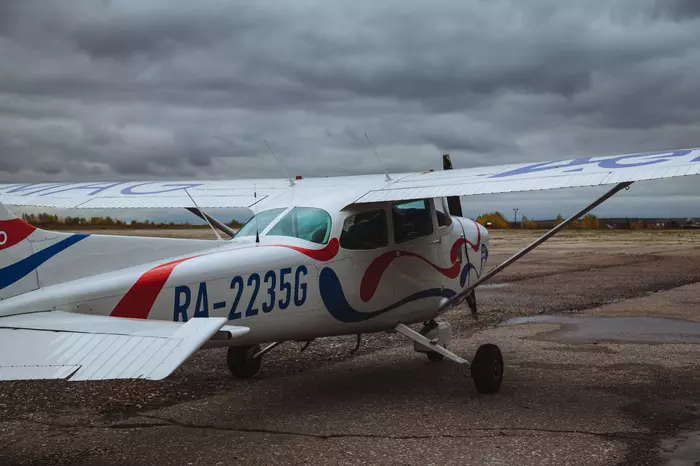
x=255, y=213
x=388, y=178
x=291, y=181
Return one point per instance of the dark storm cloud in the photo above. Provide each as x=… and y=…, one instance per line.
x=678, y=9
x=174, y=88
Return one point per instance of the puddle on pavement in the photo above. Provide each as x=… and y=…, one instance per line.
x=683, y=450
x=590, y=329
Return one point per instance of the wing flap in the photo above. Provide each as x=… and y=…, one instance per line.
x=58, y=345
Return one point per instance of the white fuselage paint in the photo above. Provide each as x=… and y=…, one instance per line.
x=272, y=287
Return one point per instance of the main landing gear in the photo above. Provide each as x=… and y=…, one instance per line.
x=244, y=362
x=486, y=367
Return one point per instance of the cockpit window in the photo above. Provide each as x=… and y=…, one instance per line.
x=306, y=223
x=411, y=220
x=367, y=230
x=259, y=222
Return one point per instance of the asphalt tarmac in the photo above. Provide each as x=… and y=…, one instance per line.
x=607, y=373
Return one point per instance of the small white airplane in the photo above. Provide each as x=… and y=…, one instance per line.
x=325, y=256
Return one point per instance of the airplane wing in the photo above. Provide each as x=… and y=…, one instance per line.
x=574, y=173
x=581, y=172
x=142, y=194
x=61, y=345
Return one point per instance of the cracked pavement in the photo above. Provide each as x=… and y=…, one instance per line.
x=593, y=401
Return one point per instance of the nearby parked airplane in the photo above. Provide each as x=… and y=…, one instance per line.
x=325, y=256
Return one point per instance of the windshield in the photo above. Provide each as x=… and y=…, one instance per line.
x=306, y=223
x=259, y=222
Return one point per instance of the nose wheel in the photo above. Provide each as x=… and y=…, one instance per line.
x=487, y=369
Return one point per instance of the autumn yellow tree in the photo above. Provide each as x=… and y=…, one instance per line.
x=527, y=223
x=591, y=222
x=493, y=220
x=559, y=219
x=574, y=225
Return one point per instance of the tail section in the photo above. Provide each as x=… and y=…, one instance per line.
x=15, y=248
x=23, y=249
x=31, y=258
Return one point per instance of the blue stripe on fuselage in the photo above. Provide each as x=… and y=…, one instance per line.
x=336, y=304
x=15, y=272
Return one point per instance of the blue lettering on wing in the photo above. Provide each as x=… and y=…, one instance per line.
x=29, y=189
x=164, y=188
x=623, y=161
x=94, y=188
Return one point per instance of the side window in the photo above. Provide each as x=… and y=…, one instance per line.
x=306, y=223
x=367, y=230
x=443, y=213
x=411, y=220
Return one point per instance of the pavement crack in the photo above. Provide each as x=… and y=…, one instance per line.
x=469, y=433
x=483, y=432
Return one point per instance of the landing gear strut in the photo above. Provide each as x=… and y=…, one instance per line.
x=486, y=368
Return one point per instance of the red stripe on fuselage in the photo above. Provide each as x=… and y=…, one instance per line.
x=323, y=255
x=370, y=280
x=13, y=232
x=476, y=246
x=138, y=301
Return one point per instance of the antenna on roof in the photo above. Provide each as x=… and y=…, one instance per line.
x=388, y=178
x=255, y=214
x=291, y=181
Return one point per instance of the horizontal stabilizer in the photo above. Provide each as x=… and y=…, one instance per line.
x=58, y=345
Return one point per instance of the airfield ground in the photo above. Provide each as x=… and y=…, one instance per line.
x=616, y=381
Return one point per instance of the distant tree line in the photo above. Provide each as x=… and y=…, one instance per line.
x=54, y=222
x=496, y=220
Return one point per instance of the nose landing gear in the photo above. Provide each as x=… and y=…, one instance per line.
x=487, y=368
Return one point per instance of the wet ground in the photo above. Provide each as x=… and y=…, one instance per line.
x=607, y=372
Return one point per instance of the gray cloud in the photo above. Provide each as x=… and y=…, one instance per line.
x=166, y=89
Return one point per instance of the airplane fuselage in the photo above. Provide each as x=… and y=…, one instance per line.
x=282, y=288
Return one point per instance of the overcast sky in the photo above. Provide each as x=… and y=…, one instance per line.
x=137, y=89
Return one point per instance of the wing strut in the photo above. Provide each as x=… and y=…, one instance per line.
x=208, y=218
x=493, y=272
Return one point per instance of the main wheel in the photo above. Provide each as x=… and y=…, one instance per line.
x=241, y=363
x=487, y=369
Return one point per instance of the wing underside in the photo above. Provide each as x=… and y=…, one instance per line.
x=58, y=345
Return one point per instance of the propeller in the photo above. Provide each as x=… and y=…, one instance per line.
x=453, y=202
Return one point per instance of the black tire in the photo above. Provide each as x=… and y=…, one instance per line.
x=434, y=356
x=487, y=369
x=241, y=363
